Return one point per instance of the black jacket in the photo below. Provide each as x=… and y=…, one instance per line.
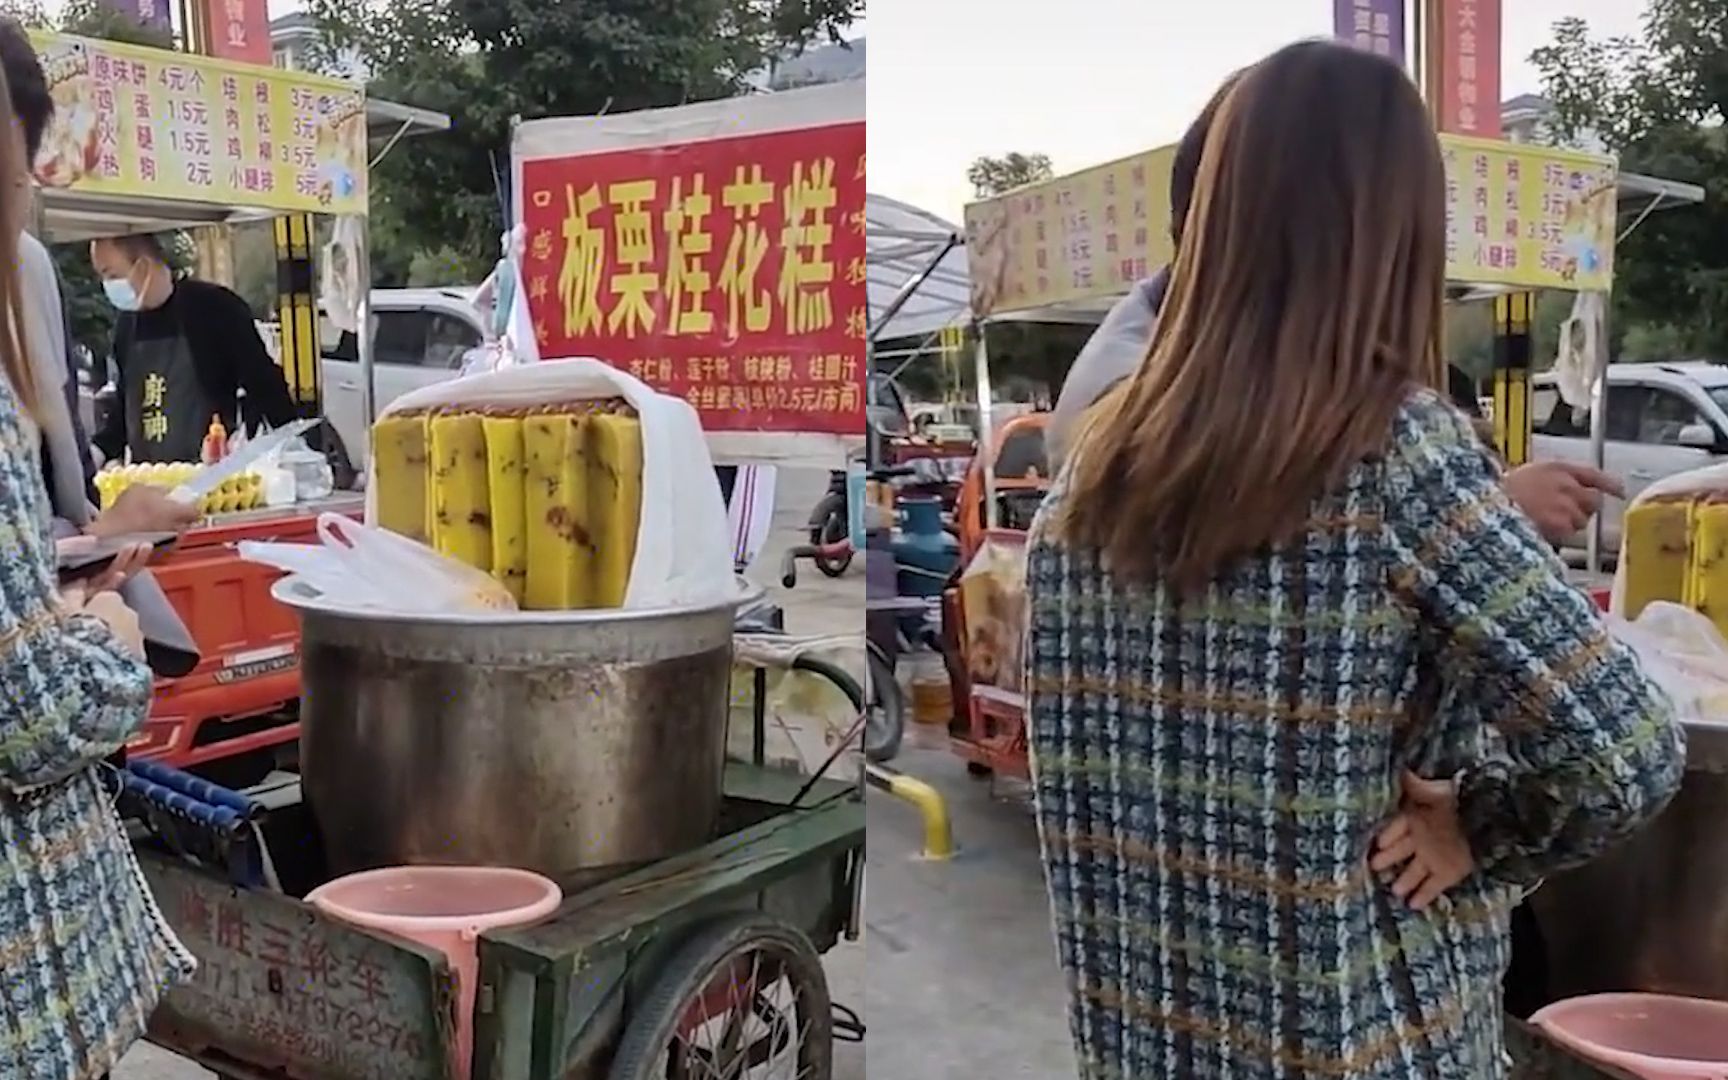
x=226, y=351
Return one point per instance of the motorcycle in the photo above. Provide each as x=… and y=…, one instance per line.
x=829, y=528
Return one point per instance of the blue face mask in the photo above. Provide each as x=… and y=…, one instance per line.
x=121, y=293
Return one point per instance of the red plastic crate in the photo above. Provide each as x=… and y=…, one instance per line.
x=243, y=695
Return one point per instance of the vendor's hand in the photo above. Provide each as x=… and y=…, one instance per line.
x=1422, y=850
x=106, y=605
x=128, y=563
x=1558, y=496
x=144, y=508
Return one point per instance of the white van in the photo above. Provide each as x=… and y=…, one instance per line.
x=419, y=337
x=1662, y=419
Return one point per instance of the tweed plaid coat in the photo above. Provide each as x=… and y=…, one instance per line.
x=1210, y=773
x=84, y=951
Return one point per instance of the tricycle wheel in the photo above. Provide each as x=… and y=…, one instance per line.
x=745, y=999
x=886, y=723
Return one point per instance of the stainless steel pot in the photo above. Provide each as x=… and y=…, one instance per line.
x=1653, y=914
x=576, y=744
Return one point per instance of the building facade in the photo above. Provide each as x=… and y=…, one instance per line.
x=294, y=45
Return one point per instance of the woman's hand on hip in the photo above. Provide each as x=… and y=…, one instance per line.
x=1422, y=850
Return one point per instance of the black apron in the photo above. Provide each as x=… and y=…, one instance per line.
x=167, y=410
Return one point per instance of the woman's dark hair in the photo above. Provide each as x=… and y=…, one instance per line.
x=14, y=361
x=32, y=105
x=1304, y=306
x=1186, y=164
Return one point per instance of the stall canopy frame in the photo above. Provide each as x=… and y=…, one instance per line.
x=919, y=282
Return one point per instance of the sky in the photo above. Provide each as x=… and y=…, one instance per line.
x=1089, y=81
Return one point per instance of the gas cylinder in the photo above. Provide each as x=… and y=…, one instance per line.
x=924, y=552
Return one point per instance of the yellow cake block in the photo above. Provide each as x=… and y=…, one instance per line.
x=560, y=548
x=1707, y=584
x=506, y=487
x=461, y=499
x=615, y=501
x=401, y=462
x=1656, y=544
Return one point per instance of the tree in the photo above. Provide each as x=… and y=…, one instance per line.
x=484, y=62
x=993, y=176
x=1659, y=100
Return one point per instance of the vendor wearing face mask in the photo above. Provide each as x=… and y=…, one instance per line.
x=183, y=351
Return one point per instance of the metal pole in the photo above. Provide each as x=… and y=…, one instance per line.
x=912, y=285
x=985, y=435
x=1599, y=435
x=875, y=453
x=363, y=339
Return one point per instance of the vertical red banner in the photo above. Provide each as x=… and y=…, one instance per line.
x=239, y=30
x=729, y=272
x=1467, y=41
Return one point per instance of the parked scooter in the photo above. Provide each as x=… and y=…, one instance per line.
x=830, y=526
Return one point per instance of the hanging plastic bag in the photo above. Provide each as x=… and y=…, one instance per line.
x=683, y=545
x=1581, y=357
x=510, y=337
x=339, y=286
x=993, y=592
x=359, y=566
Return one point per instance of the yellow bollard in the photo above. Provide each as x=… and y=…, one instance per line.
x=938, y=832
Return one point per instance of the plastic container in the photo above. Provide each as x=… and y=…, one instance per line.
x=1653, y=1036
x=932, y=699
x=445, y=908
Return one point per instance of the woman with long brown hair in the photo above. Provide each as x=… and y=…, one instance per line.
x=84, y=952
x=1311, y=702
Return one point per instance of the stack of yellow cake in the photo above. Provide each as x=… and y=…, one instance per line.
x=546, y=500
x=1677, y=550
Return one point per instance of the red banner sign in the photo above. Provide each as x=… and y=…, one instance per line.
x=1469, y=52
x=239, y=30
x=729, y=272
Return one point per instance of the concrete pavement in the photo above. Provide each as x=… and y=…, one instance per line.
x=963, y=981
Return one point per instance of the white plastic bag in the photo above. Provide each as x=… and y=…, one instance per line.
x=339, y=283
x=359, y=566
x=683, y=545
x=806, y=715
x=1685, y=654
x=1579, y=361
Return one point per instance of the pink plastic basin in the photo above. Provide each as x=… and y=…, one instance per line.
x=445, y=908
x=1653, y=1036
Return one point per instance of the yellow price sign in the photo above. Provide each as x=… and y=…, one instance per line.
x=138, y=122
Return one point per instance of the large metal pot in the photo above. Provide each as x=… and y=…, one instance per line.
x=576, y=744
x=1653, y=914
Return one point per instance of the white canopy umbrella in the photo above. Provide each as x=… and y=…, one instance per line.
x=904, y=242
